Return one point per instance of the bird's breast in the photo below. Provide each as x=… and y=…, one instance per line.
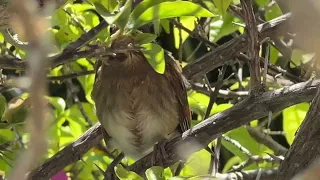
x=136, y=111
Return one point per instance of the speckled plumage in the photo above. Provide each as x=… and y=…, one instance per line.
x=137, y=106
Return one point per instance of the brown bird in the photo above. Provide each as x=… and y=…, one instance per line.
x=137, y=106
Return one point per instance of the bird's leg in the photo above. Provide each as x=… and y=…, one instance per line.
x=159, y=154
x=110, y=174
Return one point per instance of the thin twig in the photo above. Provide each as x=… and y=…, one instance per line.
x=213, y=98
x=193, y=34
x=254, y=46
x=70, y=76
x=267, y=140
x=251, y=160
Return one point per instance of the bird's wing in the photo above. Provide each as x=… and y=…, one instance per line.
x=96, y=69
x=176, y=80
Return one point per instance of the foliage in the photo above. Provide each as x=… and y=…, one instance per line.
x=73, y=117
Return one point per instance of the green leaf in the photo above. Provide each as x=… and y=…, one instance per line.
x=123, y=174
x=307, y=57
x=262, y=3
x=3, y=105
x=155, y=56
x=109, y=5
x=17, y=112
x=231, y=162
x=242, y=136
x=220, y=108
x=296, y=57
x=169, y=10
x=198, y=102
x=274, y=54
x=90, y=20
x=143, y=38
x=197, y=163
x=58, y=103
x=87, y=85
x=143, y=6
x=78, y=8
x=121, y=19
x=236, y=85
x=222, y=26
x=77, y=123
x=6, y=135
x=104, y=12
x=272, y=12
x=165, y=25
x=189, y=23
x=155, y=173
x=222, y=5
x=292, y=119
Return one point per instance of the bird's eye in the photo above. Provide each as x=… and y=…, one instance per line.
x=118, y=57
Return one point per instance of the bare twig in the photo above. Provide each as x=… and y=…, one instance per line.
x=265, y=174
x=254, y=46
x=266, y=140
x=70, y=76
x=222, y=93
x=193, y=34
x=214, y=92
x=274, y=68
x=213, y=97
x=251, y=160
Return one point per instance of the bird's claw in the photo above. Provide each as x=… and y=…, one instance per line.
x=160, y=155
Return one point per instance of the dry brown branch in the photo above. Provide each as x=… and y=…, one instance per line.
x=70, y=154
x=254, y=45
x=305, y=148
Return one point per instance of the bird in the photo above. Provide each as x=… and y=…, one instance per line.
x=137, y=106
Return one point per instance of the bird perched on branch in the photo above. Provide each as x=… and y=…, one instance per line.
x=137, y=106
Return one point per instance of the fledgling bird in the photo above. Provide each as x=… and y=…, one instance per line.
x=137, y=106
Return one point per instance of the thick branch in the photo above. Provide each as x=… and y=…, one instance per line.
x=70, y=154
x=305, y=148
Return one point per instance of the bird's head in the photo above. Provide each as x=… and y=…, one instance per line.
x=124, y=52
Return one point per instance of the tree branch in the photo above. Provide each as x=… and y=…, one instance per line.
x=305, y=148
x=264, y=174
x=253, y=45
x=68, y=155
